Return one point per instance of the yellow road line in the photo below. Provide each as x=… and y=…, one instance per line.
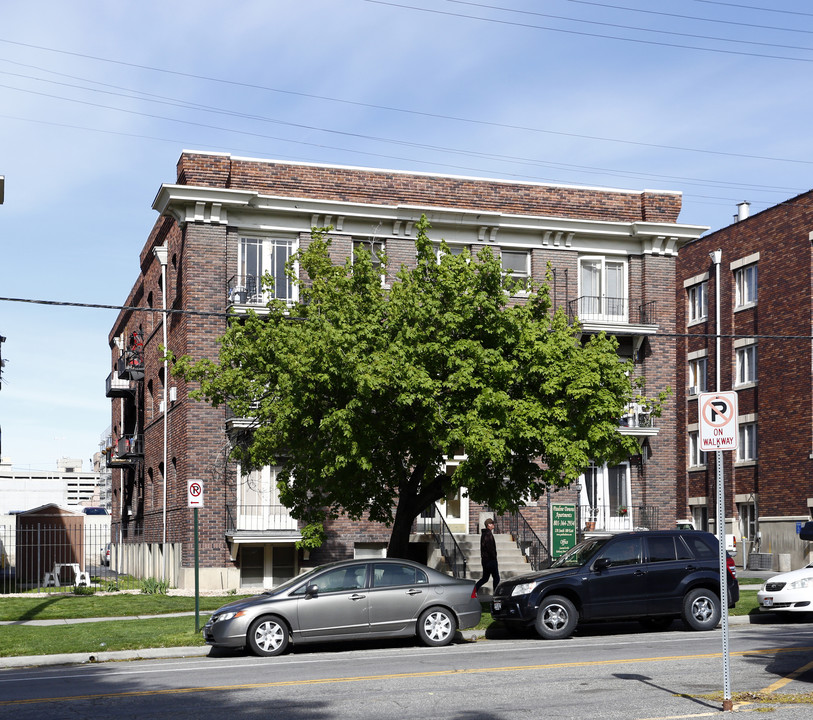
x=396, y=676
x=773, y=687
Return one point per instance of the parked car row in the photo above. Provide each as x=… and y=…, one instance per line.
x=653, y=576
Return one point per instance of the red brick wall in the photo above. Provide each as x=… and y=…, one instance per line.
x=392, y=188
x=783, y=474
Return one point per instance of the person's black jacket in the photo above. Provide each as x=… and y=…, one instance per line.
x=488, y=548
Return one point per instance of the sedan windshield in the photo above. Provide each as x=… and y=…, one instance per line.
x=580, y=554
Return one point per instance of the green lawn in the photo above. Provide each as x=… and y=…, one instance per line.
x=59, y=607
x=99, y=636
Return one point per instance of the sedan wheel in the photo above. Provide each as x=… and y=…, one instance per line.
x=268, y=636
x=557, y=618
x=436, y=627
x=701, y=609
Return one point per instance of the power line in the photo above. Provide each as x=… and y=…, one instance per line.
x=99, y=306
x=691, y=17
x=228, y=314
x=588, y=34
x=160, y=99
x=754, y=7
x=407, y=111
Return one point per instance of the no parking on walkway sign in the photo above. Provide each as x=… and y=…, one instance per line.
x=718, y=421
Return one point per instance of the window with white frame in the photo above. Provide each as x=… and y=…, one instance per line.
x=745, y=285
x=747, y=448
x=697, y=458
x=450, y=250
x=376, y=248
x=697, y=301
x=603, y=289
x=745, y=364
x=260, y=257
x=697, y=375
x=517, y=264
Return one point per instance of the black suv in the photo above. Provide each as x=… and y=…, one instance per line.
x=651, y=576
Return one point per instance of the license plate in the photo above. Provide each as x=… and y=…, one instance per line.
x=767, y=602
x=496, y=605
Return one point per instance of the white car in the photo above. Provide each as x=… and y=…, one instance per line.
x=788, y=592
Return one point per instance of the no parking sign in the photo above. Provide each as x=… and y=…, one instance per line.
x=194, y=493
x=718, y=421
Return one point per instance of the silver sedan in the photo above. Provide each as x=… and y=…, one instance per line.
x=349, y=600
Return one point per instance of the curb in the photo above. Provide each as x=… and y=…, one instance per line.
x=203, y=650
x=101, y=657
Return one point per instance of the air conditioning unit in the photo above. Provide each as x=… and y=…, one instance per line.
x=694, y=390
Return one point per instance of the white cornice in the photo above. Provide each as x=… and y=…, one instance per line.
x=249, y=209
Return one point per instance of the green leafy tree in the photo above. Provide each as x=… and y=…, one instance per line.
x=359, y=391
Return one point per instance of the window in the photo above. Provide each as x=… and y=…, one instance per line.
x=747, y=449
x=450, y=250
x=516, y=263
x=390, y=574
x=342, y=579
x=697, y=300
x=264, y=256
x=697, y=458
x=697, y=375
x=626, y=551
x=745, y=282
x=376, y=249
x=748, y=520
x=603, y=291
x=700, y=545
x=746, y=365
x=664, y=549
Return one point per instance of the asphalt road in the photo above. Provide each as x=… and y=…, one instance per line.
x=608, y=672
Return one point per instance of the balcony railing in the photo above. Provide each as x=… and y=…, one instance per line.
x=248, y=290
x=259, y=518
x=595, y=308
x=637, y=416
x=617, y=518
x=116, y=387
x=130, y=446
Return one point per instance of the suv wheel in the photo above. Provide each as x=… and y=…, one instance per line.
x=701, y=609
x=557, y=618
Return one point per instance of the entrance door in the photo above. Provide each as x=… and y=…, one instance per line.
x=258, y=503
x=454, y=508
x=605, y=497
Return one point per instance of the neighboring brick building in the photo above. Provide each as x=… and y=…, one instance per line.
x=229, y=219
x=765, y=356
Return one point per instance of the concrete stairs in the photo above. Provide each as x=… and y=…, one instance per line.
x=510, y=560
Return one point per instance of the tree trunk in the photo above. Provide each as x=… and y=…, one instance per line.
x=408, y=508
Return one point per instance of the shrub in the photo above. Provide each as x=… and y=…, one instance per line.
x=154, y=586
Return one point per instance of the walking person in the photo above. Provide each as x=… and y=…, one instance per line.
x=488, y=556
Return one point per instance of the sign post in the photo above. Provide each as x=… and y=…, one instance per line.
x=719, y=431
x=194, y=490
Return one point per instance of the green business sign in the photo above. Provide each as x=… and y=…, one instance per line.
x=563, y=526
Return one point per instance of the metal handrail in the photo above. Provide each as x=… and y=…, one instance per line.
x=529, y=543
x=433, y=523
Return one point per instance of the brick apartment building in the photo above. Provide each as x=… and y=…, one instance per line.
x=765, y=356
x=226, y=220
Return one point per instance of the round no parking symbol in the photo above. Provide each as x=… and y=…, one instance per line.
x=194, y=492
x=718, y=421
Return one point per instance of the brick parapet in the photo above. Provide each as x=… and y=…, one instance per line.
x=383, y=187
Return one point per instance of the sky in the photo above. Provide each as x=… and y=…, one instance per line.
x=99, y=98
